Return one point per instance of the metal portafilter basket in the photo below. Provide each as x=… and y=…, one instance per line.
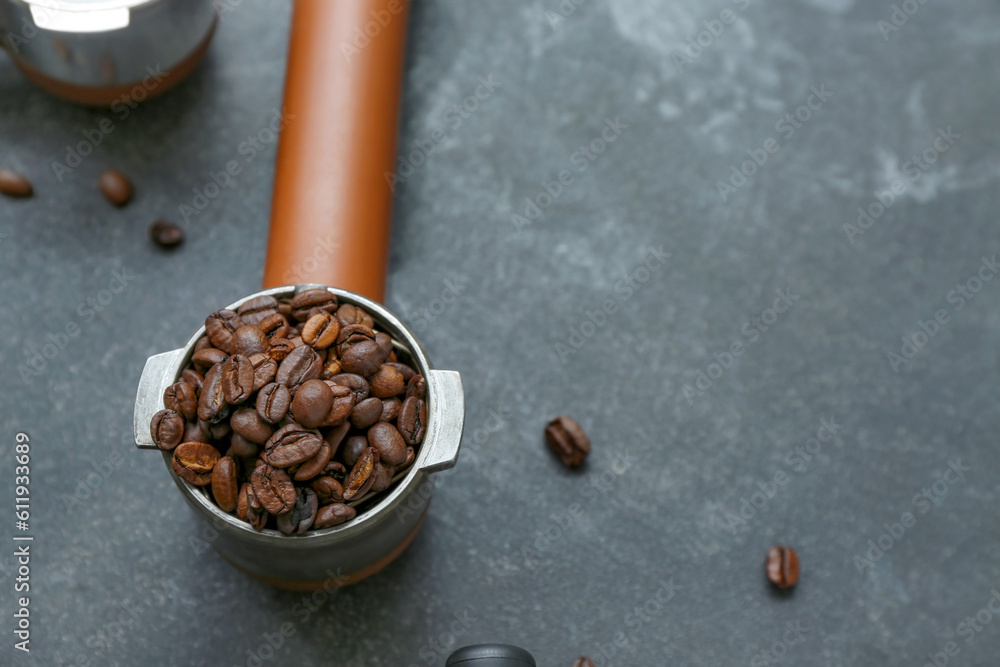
x=330, y=228
x=103, y=52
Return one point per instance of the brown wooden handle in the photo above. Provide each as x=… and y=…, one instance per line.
x=332, y=205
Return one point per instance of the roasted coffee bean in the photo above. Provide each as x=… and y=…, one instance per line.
x=274, y=489
x=220, y=429
x=366, y=413
x=348, y=314
x=311, y=301
x=335, y=436
x=248, y=508
x=273, y=401
x=202, y=343
x=328, y=490
x=248, y=340
x=321, y=330
x=257, y=309
x=384, y=437
x=264, y=370
x=196, y=431
x=782, y=566
x=362, y=476
x=166, y=234
x=312, y=403
x=224, y=486
x=357, y=384
x=568, y=441
x=181, y=397
x=314, y=466
x=212, y=406
x=193, y=462
x=343, y=403
x=390, y=409
x=417, y=386
x=383, y=477
x=334, y=515
x=358, y=351
x=210, y=356
x=241, y=447
x=291, y=444
x=406, y=370
x=220, y=327
x=411, y=454
x=237, y=379
x=301, y=365
x=583, y=662
x=274, y=326
x=331, y=369
x=193, y=378
x=14, y=184
x=354, y=447
x=246, y=423
x=280, y=348
x=412, y=420
x=384, y=342
x=115, y=187
x=302, y=516
x=335, y=469
x=241, y=502
x=167, y=429
x=387, y=382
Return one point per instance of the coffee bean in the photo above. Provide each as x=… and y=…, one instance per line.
x=411, y=454
x=354, y=447
x=208, y=357
x=274, y=489
x=280, y=348
x=312, y=403
x=273, y=401
x=14, y=184
x=301, y=365
x=384, y=342
x=302, y=516
x=361, y=477
x=568, y=441
x=248, y=340
x=181, y=397
x=166, y=234
x=240, y=446
x=274, y=326
x=219, y=429
x=193, y=378
x=314, y=466
x=291, y=444
x=196, y=431
x=383, y=477
x=358, y=351
x=246, y=423
x=328, y=490
x=366, y=413
x=390, y=409
x=224, y=484
x=321, y=330
x=193, y=462
x=115, y=187
x=220, y=327
x=167, y=429
x=212, y=406
x=406, y=370
x=237, y=379
x=264, y=370
x=583, y=662
x=412, y=420
x=256, y=515
x=257, y=309
x=311, y=301
x=349, y=314
x=386, y=382
x=335, y=469
x=334, y=515
x=357, y=384
x=242, y=504
x=331, y=369
x=782, y=566
x=384, y=437
x=417, y=386
x=201, y=344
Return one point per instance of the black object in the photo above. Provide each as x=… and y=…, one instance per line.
x=491, y=655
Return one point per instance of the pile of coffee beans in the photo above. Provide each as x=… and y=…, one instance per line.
x=293, y=413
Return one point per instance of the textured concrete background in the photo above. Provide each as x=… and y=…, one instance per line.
x=648, y=541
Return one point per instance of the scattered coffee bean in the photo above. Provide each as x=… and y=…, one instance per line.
x=166, y=234
x=390, y=409
x=567, y=440
x=301, y=365
x=115, y=187
x=583, y=662
x=782, y=566
x=14, y=184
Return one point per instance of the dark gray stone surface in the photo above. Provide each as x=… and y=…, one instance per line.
x=652, y=512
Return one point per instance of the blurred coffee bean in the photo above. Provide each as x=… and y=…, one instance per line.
x=242, y=447
x=280, y=348
x=358, y=351
x=193, y=462
x=167, y=429
x=314, y=466
x=568, y=441
x=357, y=384
x=208, y=357
x=384, y=342
x=264, y=370
x=343, y=403
x=417, y=386
x=193, y=378
x=383, y=477
x=115, y=187
x=328, y=490
x=166, y=234
x=274, y=326
x=14, y=184
x=407, y=371
x=782, y=567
